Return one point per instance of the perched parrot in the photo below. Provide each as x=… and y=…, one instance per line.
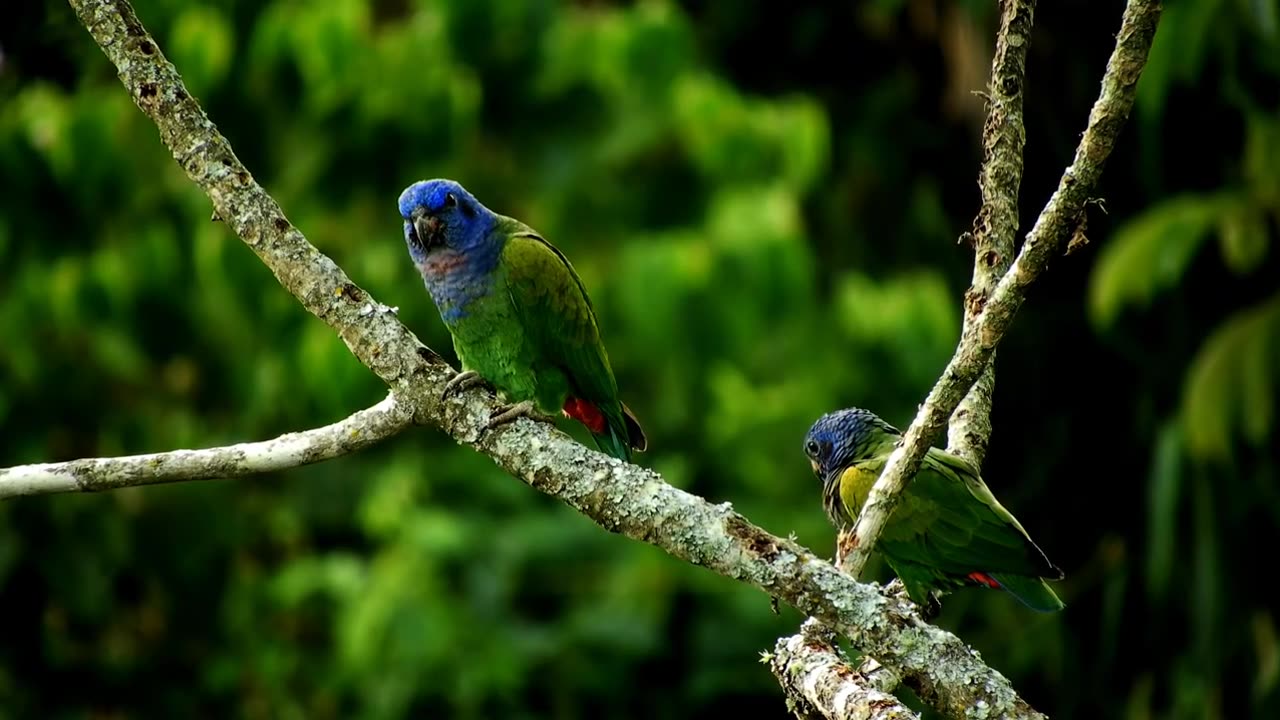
x=948, y=531
x=518, y=313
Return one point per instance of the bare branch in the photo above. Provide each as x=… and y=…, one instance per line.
x=1047, y=238
x=1003, y=138
x=620, y=497
x=290, y=450
x=820, y=683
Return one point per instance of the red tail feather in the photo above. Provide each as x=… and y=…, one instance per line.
x=984, y=579
x=585, y=413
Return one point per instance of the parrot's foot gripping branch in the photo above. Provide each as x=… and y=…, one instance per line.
x=507, y=413
x=462, y=381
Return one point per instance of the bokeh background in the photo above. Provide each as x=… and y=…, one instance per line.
x=765, y=202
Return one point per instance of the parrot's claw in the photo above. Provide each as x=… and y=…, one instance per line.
x=461, y=381
x=931, y=609
x=507, y=413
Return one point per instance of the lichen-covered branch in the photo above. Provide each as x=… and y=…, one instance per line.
x=819, y=682
x=1048, y=237
x=620, y=497
x=1003, y=138
x=290, y=450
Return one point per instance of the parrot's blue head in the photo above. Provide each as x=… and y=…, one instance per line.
x=442, y=214
x=840, y=438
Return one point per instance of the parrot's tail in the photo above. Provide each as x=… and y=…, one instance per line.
x=621, y=435
x=609, y=442
x=1032, y=592
x=615, y=431
x=635, y=433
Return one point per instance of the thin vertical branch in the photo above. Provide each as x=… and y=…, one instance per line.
x=996, y=224
x=1047, y=238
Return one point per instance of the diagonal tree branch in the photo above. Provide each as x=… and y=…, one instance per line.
x=1003, y=138
x=290, y=450
x=1048, y=237
x=620, y=497
x=819, y=682
x=994, y=228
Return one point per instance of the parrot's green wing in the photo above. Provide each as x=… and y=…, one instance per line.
x=559, y=320
x=949, y=530
x=948, y=520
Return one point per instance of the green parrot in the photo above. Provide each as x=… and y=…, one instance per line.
x=948, y=531
x=519, y=315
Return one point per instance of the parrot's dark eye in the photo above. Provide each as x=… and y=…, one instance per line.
x=811, y=447
x=450, y=200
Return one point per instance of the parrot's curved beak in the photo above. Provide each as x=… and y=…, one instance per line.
x=428, y=228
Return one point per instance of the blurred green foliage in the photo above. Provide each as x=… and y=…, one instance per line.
x=765, y=209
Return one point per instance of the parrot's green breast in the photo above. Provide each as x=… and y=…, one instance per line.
x=496, y=336
x=489, y=339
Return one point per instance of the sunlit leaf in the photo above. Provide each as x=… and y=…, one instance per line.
x=201, y=46
x=1242, y=231
x=340, y=574
x=914, y=316
x=1177, y=52
x=1262, y=157
x=1231, y=382
x=764, y=206
x=1150, y=253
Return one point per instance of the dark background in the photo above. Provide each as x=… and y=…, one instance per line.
x=764, y=201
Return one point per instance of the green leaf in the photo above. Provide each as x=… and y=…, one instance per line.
x=1262, y=157
x=1177, y=57
x=337, y=574
x=45, y=115
x=1242, y=234
x=739, y=139
x=913, y=316
x=1266, y=18
x=1231, y=382
x=326, y=44
x=802, y=129
x=1150, y=253
x=1177, y=52
x=1267, y=651
x=201, y=47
